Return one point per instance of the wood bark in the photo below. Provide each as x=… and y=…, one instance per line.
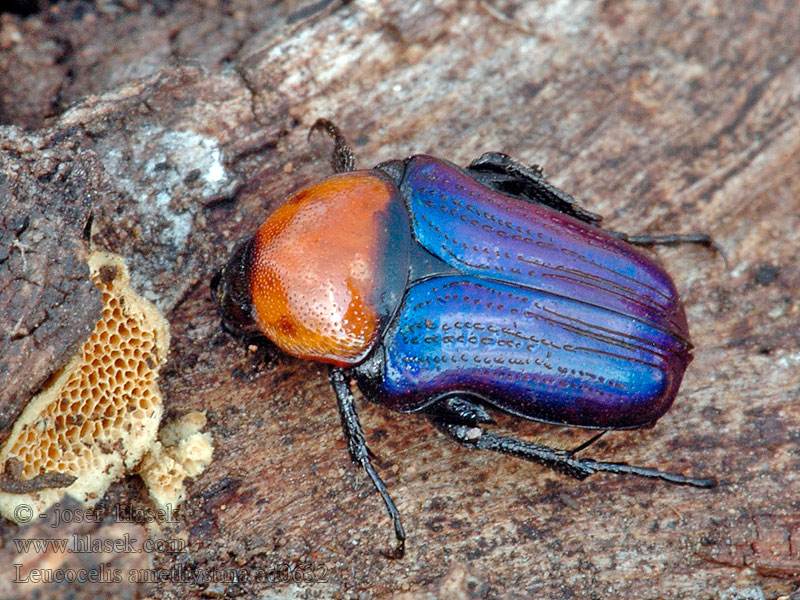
x=178, y=126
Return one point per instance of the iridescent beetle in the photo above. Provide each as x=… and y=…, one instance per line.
x=447, y=291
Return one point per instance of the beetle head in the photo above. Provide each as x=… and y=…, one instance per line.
x=231, y=290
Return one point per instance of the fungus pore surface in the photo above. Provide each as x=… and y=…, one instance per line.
x=98, y=416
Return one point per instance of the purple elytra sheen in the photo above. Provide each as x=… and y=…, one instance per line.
x=553, y=319
x=531, y=353
x=487, y=234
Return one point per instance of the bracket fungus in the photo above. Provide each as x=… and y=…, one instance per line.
x=99, y=415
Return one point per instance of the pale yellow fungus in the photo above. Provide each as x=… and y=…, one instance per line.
x=99, y=415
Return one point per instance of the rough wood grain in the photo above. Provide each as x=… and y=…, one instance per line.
x=663, y=117
x=48, y=305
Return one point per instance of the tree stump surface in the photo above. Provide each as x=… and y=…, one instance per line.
x=178, y=126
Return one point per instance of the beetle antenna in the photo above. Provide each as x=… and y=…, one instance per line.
x=360, y=453
x=342, y=158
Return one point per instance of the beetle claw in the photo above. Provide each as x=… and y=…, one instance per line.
x=398, y=552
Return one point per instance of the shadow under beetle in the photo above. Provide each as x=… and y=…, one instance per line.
x=447, y=291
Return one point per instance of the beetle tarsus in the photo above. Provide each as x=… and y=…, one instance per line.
x=563, y=461
x=361, y=454
x=342, y=158
x=622, y=468
x=675, y=239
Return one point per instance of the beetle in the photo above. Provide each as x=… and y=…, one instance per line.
x=449, y=291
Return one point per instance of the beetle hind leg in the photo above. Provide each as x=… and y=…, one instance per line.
x=502, y=173
x=563, y=461
x=360, y=454
x=458, y=411
x=675, y=239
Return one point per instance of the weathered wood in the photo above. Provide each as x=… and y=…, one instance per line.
x=48, y=304
x=664, y=117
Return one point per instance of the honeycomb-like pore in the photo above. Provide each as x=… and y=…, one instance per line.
x=181, y=452
x=96, y=418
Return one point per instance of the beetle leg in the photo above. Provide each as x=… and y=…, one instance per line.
x=588, y=442
x=563, y=461
x=342, y=158
x=668, y=240
x=665, y=240
x=502, y=173
x=361, y=454
x=455, y=409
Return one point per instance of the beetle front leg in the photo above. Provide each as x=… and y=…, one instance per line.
x=342, y=158
x=360, y=453
x=563, y=461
